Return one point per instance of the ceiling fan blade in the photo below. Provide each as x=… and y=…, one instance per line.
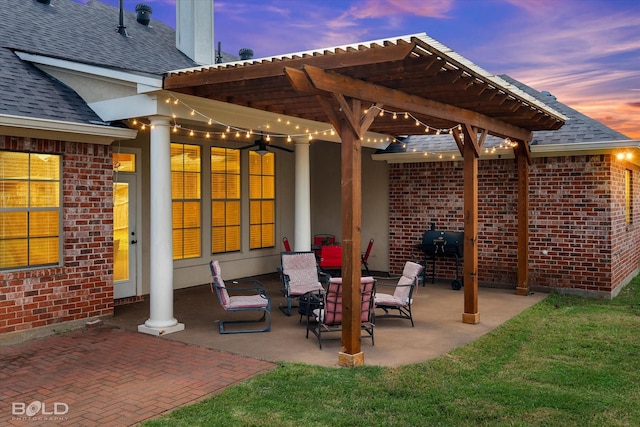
x=248, y=146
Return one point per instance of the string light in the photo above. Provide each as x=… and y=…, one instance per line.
x=309, y=133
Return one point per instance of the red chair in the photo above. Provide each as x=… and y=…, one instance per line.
x=365, y=257
x=285, y=243
x=323, y=239
x=330, y=257
x=320, y=240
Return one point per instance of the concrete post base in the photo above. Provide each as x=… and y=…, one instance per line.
x=161, y=331
x=472, y=318
x=350, y=360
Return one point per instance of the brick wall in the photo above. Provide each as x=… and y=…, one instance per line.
x=82, y=287
x=576, y=214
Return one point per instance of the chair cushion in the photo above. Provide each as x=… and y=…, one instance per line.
x=403, y=289
x=409, y=273
x=388, y=300
x=220, y=286
x=302, y=271
x=247, y=301
x=412, y=269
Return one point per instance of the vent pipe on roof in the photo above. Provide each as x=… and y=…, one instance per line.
x=121, y=28
x=245, y=53
x=143, y=13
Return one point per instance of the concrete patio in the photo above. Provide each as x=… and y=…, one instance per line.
x=111, y=375
x=437, y=314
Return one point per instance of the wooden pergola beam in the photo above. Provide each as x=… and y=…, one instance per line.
x=335, y=83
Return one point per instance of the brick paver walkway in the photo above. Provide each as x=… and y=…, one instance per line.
x=110, y=377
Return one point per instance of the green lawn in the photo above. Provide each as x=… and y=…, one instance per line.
x=567, y=361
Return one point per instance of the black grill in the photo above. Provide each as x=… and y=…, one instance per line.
x=439, y=243
x=443, y=243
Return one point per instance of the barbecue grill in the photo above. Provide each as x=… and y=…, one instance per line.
x=441, y=244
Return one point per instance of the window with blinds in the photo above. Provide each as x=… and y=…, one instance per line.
x=261, y=200
x=186, y=200
x=225, y=200
x=30, y=209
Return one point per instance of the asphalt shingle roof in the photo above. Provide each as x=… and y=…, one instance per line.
x=84, y=33
x=579, y=128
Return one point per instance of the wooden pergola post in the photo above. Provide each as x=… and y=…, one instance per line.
x=351, y=197
x=470, y=154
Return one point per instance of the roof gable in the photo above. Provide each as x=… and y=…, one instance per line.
x=29, y=92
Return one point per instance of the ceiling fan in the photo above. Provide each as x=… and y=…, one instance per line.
x=261, y=146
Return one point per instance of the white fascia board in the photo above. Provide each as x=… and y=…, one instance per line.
x=243, y=118
x=145, y=83
x=583, y=147
x=66, y=131
x=142, y=105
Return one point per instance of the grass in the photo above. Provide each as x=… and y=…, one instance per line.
x=567, y=361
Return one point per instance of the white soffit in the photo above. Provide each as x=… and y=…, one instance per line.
x=247, y=118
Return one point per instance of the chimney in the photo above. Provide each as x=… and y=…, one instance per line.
x=143, y=13
x=194, y=30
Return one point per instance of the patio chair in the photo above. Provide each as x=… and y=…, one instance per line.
x=250, y=298
x=328, y=319
x=331, y=259
x=365, y=257
x=320, y=240
x=299, y=274
x=398, y=304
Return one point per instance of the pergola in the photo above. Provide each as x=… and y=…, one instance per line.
x=349, y=87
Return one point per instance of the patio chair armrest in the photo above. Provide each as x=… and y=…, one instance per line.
x=388, y=285
x=325, y=275
x=257, y=286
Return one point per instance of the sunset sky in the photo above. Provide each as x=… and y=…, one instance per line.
x=585, y=52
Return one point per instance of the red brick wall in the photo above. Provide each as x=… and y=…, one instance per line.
x=576, y=214
x=82, y=287
x=625, y=238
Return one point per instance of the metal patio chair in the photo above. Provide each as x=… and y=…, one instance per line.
x=398, y=304
x=299, y=274
x=328, y=318
x=253, y=297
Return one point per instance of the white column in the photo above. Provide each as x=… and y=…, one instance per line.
x=302, y=223
x=161, y=320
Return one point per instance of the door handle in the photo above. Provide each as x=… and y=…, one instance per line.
x=133, y=242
